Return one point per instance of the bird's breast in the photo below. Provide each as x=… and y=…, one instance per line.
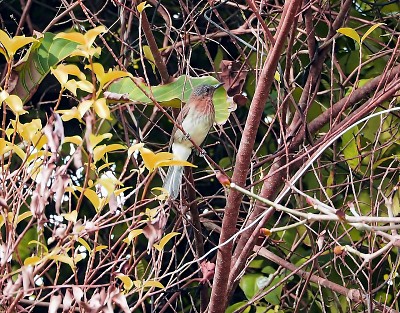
x=197, y=125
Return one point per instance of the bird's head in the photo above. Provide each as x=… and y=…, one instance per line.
x=204, y=91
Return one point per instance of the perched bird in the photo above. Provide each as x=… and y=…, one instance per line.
x=196, y=118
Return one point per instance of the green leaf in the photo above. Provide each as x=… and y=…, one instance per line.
x=350, y=148
x=251, y=284
x=173, y=94
x=248, y=284
x=238, y=305
x=274, y=297
x=38, y=62
x=24, y=249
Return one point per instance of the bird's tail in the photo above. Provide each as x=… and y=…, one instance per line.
x=173, y=181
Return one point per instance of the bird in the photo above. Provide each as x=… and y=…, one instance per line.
x=196, y=118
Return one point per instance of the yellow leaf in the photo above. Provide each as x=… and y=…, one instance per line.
x=92, y=196
x=109, y=184
x=120, y=191
x=28, y=131
x=85, y=244
x=104, y=77
x=163, y=195
x=99, y=248
x=105, y=165
x=151, y=212
x=74, y=36
x=100, y=151
x=23, y=216
x=3, y=95
x=70, y=114
x=92, y=34
x=85, y=86
x=153, y=283
x=38, y=156
x=64, y=258
x=370, y=30
x=74, y=139
x=101, y=108
x=62, y=71
x=32, y=260
x=38, y=243
x=85, y=48
x=4, y=146
x=96, y=139
x=19, y=152
x=86, y=52
x=71, y=217
x=84, y=106
x=12, y=45
x=143, y=5
x=97, y=68
x=149, y=56
x=149, y=158
x=132, y=235
x=113, y=75
x=134, y=148
x=164, y=241
x=174, y=163
x=277, y=76
x=128, y=284
x=350, y=32
x=153, y=161
x=71, y=85
x=15, y=104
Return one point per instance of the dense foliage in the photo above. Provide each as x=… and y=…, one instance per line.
x=291, y=203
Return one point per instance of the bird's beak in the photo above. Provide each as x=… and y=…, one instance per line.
x=217, y=86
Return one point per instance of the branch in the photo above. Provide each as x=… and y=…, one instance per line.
x=276, y=174
x=158, y=60
x=219, y=293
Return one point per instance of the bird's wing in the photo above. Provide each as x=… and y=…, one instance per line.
x=181, y=116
